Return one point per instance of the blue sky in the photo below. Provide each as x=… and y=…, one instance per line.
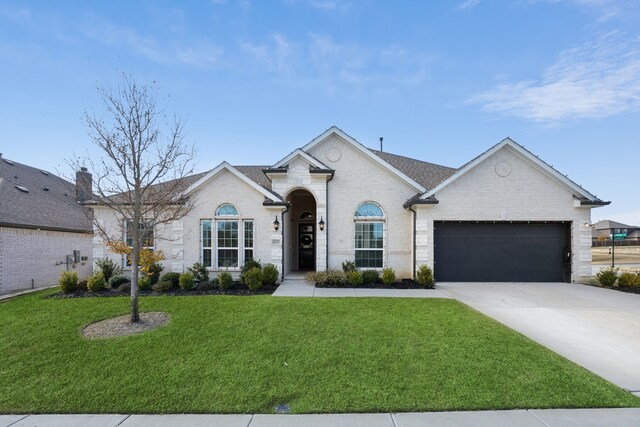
x=441, y=81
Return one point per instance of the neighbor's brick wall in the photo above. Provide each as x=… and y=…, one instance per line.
x=31, y=255
x=526, y=194
x=359, y=179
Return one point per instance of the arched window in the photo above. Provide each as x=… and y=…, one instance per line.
x=369, y=210
x=369, y=236
x=306, y=215
x=227, y=209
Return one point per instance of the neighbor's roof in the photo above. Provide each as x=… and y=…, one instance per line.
x=33, y=198
x=427, y=174
x=607, y=224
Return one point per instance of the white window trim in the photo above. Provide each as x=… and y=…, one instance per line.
x=381, y=220
x=214, y=241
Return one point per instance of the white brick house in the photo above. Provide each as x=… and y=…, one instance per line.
x=504, y=216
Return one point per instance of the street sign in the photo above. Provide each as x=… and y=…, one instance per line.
x=619, y=236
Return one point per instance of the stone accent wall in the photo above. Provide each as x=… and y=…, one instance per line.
x=36, y=258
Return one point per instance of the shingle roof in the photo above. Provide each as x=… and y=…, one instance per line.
x=426, y=174
x=255, y=174
x=49, y=203
x=607, y=224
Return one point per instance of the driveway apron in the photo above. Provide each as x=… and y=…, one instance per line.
x=596, y=328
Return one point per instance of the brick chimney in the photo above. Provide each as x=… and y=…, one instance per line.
x=84, y=183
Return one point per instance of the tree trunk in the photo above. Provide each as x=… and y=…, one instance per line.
x=135, y=315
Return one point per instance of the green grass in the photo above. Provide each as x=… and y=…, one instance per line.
x=227, y=355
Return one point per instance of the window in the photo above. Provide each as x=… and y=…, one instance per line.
x=305, y=216
x=231, y=245
x=248, y=240
x=146, y=241
x=369, y=236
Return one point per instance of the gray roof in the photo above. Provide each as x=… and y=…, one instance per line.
x=607, y=224
x=49, y=203
x=424, y=173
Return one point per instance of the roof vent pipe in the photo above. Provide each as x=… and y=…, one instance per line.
x=381, y=138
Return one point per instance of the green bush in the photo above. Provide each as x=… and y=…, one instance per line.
x=370, y=277
x=348, y=266
x=354, y=278
x=628, y=279
x=172, y=277
x=225, y=280
x=108, y=268
x=82, y=285
x=269, y=275
x=424, y=276
x=253, y=278
x=199, y=272
x=144, y=283
x=116, y=281
x=154, y=272
x=186, y=281
x=329, y=278
x=607, y=276
x=163, y=286
x=125, y=288
x=388, y=276
x=96, y=283
x=248, y=265
x=68, y=281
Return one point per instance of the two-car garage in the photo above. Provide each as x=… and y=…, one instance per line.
x=476, y=251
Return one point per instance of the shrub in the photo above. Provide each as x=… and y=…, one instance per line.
x=225, y=280
x=348, y=266
x=96, y=283
x=354, y=278
x=248, y=265
x=163, y=286
x=330, y=278
x=269, y=275
x=68, y=281
x=607, y=276
x=628, y=279
x=199, y=272
x=144, y=283
x=125, y=288
x=82, y=285
x=172, y=277
x=186, y=281
x=108, y=268
x=370, y=276
x=253, y=278
x=424, y=276
x=204, y=286
x=311, y=276
x=388, y=276
x=154, y=272
x=116, y=281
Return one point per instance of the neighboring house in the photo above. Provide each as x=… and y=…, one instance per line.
x=602, y=231
x=504, y=216
x=43, y=228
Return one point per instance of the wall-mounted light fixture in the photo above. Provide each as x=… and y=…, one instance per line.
x=321, y=224
x=276, y=224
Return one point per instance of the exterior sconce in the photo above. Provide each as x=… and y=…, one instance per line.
x=321, y=224
x=276, y=224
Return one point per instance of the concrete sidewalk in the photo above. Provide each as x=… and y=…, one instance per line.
x=522, y=418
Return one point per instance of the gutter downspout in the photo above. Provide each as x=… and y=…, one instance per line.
x=326, y=227
x=282, y=243
x=413, y=261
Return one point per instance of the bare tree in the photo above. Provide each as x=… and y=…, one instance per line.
x=141, y=173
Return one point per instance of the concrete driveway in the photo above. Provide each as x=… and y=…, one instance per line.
x=596, y=328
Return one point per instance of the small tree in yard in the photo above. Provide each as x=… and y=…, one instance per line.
x=141, y=174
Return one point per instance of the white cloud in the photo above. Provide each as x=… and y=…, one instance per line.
x=468, y=4
x=591, y=81
x=277, y=54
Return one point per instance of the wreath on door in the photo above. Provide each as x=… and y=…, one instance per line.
x=306, y=239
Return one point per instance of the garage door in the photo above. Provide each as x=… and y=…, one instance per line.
x=501, y=252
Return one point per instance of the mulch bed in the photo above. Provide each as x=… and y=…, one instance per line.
x=627, y=289
x=403, y=284
x=121, y=326
x=236, y=289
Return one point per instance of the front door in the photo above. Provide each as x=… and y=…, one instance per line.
x=306, y=247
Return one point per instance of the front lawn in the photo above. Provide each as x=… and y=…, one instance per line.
x=225, y=354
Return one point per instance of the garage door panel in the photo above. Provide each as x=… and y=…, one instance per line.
x=481, y=252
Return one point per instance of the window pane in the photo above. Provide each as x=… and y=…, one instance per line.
x=248, y=234
x=206, y=234
x=227, y=258
x=206, y=257
x=227, y=210
x=369, y=210
x=369, y=242
x=227, y=234
x=369, y=259
x=248, y=254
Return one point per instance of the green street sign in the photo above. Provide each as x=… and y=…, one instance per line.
x=619, y=236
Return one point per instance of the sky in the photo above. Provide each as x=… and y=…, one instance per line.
x=441, y=81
